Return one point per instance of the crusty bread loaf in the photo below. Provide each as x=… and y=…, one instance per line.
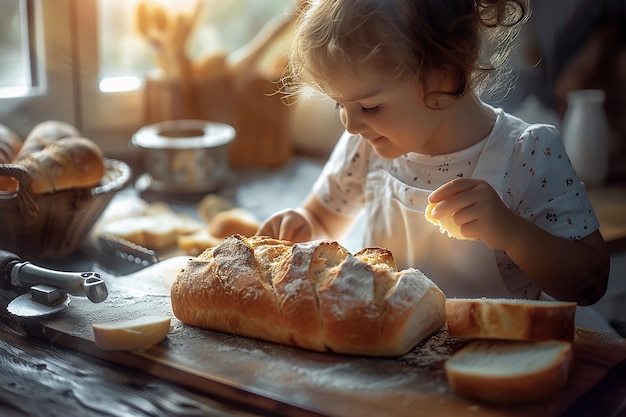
x=510, y=371
x=513, y=319
x=446, y=224
x=315, y=295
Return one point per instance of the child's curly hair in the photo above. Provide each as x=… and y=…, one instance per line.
x=468, y=39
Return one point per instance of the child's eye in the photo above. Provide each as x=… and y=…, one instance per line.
x=370, y=110
x=364, y=110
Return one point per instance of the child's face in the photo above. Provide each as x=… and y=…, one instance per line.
x=391, y=115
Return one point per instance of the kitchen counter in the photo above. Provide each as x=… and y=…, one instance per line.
x=51, y=367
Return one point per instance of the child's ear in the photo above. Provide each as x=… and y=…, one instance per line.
x=441, y=88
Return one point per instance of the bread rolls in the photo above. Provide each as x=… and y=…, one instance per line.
x=512, y=319
x=69, y=163
x=57, y=158
x=43, y=135
x=314, y=295
x=510, y=372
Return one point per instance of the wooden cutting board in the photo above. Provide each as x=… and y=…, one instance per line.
x=288, y=381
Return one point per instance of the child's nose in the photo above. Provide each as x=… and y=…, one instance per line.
x=353, y=122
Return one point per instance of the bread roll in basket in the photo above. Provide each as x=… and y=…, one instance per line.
x=54, y=225
x=53, y=188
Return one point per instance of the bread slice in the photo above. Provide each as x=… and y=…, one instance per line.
x=510, y=371
x=512, y=319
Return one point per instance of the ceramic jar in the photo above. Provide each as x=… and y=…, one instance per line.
x=586, y=135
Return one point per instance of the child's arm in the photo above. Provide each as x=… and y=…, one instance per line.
x=311, y=221
x=565, y=269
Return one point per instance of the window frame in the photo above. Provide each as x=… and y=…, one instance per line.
x=52, y=61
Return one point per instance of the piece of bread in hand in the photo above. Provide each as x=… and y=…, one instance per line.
x=315, y=295
x=509, y=371
x=446, y=224
x=512, y=319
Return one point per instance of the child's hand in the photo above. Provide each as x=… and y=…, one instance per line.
x=477, y=209
x=289, y=224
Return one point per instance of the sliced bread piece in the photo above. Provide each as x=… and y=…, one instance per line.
x=511, y=319
x=509, y=371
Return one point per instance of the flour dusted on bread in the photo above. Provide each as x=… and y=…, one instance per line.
x=510, y=371
x=513, y=319
x=315, y=295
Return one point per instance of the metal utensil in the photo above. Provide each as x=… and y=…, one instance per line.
x=114, y=249
x=47, y=289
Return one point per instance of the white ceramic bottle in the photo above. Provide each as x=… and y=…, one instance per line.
x=586, y=135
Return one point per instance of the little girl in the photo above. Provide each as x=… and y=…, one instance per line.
x=406, y=76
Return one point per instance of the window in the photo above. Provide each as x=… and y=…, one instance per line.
x=14, y=48
x=84, y=62
x=36, y=70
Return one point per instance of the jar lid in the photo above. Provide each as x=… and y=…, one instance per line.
x=183, y=134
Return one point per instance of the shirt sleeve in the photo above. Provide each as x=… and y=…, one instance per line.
x=543, y=187
x=340, y=184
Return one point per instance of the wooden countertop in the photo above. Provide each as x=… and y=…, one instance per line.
x=52, y=367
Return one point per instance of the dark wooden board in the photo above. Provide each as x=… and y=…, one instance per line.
x=295, y=382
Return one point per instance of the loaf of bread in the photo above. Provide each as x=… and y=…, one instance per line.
x=512, y=319
x=510, y=372
x=446, y=224
x=314, y=295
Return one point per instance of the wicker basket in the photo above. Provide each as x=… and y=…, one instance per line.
x=54, y=225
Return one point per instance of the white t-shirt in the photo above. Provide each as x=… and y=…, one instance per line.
x=539, y=183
